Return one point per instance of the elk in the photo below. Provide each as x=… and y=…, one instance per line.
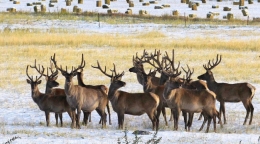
x=50, y=83
x=229, y=92
x=188, y=83
x=81, y=98
x=101, y=87
x=130, y=103
x=191, y=101
x=138, y=65
x=47, y=102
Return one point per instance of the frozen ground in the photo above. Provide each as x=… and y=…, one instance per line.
x=122, y=6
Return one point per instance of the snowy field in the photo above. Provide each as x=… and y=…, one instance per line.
x=21, y=117
x=122, y=6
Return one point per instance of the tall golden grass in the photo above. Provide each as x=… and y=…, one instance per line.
x=240, y=58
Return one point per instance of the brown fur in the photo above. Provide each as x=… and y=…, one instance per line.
x=229, y=92
x=81, y=98
x=104, y=93
x=130, y=103
x=191, y=101
x=47, y=102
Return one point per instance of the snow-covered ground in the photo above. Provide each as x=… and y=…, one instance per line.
x=122, y=6
x=20, y=116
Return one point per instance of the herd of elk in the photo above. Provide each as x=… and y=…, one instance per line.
x=167, y=91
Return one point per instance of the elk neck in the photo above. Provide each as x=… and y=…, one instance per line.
x=69, y=88
x=80, y=79
x=37, y=96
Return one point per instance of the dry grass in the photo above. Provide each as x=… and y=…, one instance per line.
x=118, y=18
x=19, y=48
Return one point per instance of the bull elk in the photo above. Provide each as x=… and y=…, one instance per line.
x=138, y=65
x=81, y=98
x=130, y=103
x=229, y=92
x=98, y=87
x=47, y=102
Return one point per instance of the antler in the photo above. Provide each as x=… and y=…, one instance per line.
x=38, y=69
x=31, y=78
x=166, y=57
x=174, y=71
x=81, y=66
x=113, y=71
x=53, y=74
x=210, y=67
x=137, y=60
x=188, y=73
x=103, y=71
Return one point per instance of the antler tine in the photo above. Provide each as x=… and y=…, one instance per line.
x=82, y=64
x=55, y=63
x=38, y=69
x=31, y=78
x=103, y=71
x=188, y=73
x=155, y=60
x=214, y=64
x=41, y=74
x=117, y=75
x=53, y=74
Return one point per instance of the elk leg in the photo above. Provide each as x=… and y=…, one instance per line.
x=219, y=118
x=252, y=112
x=109, y=115
x=246, y=105
x=89, y=117
x=184, y=114
x=78, y=117
x=214, y=122
x=176, y=118
x=171, y=117
x=204, y=121
x=209, y=121
x=120, y=120
x=164, y=115
x=56, y=118
x=47, y=116
x=103, y=117
x=86, y=117
x=222, y=106
x=72, y=115
x=152, y=117
x=190, y=120
x=61, y=122
x=200, y=116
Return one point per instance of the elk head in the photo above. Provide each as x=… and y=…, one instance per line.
x=209, y=75
x=34, y=84
x=137, y=63
x=73, y=72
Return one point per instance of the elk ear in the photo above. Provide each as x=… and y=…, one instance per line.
x=55, y=78
x=39, y=82
x=28, y=81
